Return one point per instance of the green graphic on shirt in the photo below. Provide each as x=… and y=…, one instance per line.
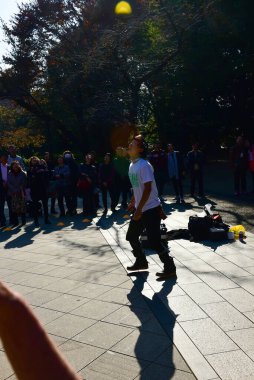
x=134, y=179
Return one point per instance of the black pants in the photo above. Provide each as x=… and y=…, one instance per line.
x=35, y=209
x=5, y=198
x=113, y=197
x=197, y=176
x=150, y=221
x=88, y=200
x=160, y=179
x=240, y=182
x=178, y=187
x=122, y=187
x=15, y=218
x=53, y=204
x=60, y=201
x=72, y=198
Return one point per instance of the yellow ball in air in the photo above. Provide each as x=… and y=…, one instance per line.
x=123, y=8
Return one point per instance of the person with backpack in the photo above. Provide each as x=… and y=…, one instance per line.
x=147, y=210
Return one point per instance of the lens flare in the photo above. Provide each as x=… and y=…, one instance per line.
x=123, y=8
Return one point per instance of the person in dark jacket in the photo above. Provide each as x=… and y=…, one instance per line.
x=16, y=190
x=51, y=166
x=74, y=176
x=4, y=197
x=195, y=162
x=239, y=159
x=38, y=179
x=107, y=180
x=158, y=160
x=176, y=172
x=62, y=178
x=122, y=183
x=88, y=178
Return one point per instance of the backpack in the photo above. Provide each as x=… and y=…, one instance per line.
x=199, y=227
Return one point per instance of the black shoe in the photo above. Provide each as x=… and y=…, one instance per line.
x=36, y=223
x=167, y=272
x=105, y=211
x=138, y=265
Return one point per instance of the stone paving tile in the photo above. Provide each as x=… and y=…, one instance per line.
x=207, y=336
x=68, y=325
x=38, y=297
x=156, y=371
x=250, y=270
x=114, y=366
x=129, y=316
x=172, y=358
x=247, y=283
x=211, y=257
x=111, y=279
x=239, y=298
x=62, y=285
x=63, y=272
x=217, y=280
x=103, y=335
x=241, y=260
x=24, y=290
x=121, y=296
x=66, y=303
x=39, y=269
x=244, y=338
x=234, y=365
x=230, y=270
x=185, y=309
x=201, y=293
x=79, y=354
x=90, y=290
x=96, y=309
x=250, y=315
x=226, y=316
x=46, y=315
x=142, y=345
x=185, y=276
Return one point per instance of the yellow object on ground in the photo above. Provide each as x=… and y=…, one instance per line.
x=126, y=216
x=123, y=8
x=237, y=229
x=86, y=220
x=7, y=229
x=60, y=224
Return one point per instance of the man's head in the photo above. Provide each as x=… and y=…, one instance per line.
x=195, y=146
x=138, y=148
x=47, y=156
x=170, y=148
x=12, y=150
x=119, y=151
x=4, y=158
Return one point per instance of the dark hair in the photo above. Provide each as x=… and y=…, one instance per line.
x=15, y=163
x=143, y=145
x=108, y=154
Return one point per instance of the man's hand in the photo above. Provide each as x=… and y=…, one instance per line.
x=137, y=216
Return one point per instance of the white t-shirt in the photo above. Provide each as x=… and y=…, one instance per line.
x=141, y=172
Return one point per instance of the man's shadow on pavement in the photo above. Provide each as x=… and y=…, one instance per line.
x=24, y=239
x=166, y=317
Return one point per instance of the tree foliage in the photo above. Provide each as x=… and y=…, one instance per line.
x=92, y=78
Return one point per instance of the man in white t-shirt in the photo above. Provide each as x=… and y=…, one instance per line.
x=147, y=215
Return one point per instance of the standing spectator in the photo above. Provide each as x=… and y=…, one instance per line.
x=51, y=165
x=38, y=179
x=176, y=172
x=87, y=183
x=4, y=197
x=74, y=176
x=195, y=162
x=251, y=163
x=148, y=211
x=239, y=159
x=158, y=159
x=62, y=182
x=14, y=157
x=16, y=190
x=107, y=183
x=95, y=163
x=121, y=165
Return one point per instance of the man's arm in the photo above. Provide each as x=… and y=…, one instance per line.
x=30, y=350
x=143, y=200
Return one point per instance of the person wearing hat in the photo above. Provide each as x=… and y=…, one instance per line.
x=4, y=197
x=147, y=211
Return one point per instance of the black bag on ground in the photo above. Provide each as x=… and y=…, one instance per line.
x=199, y=227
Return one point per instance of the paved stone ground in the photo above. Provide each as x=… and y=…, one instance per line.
x=90, y=307
x=114, y=326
